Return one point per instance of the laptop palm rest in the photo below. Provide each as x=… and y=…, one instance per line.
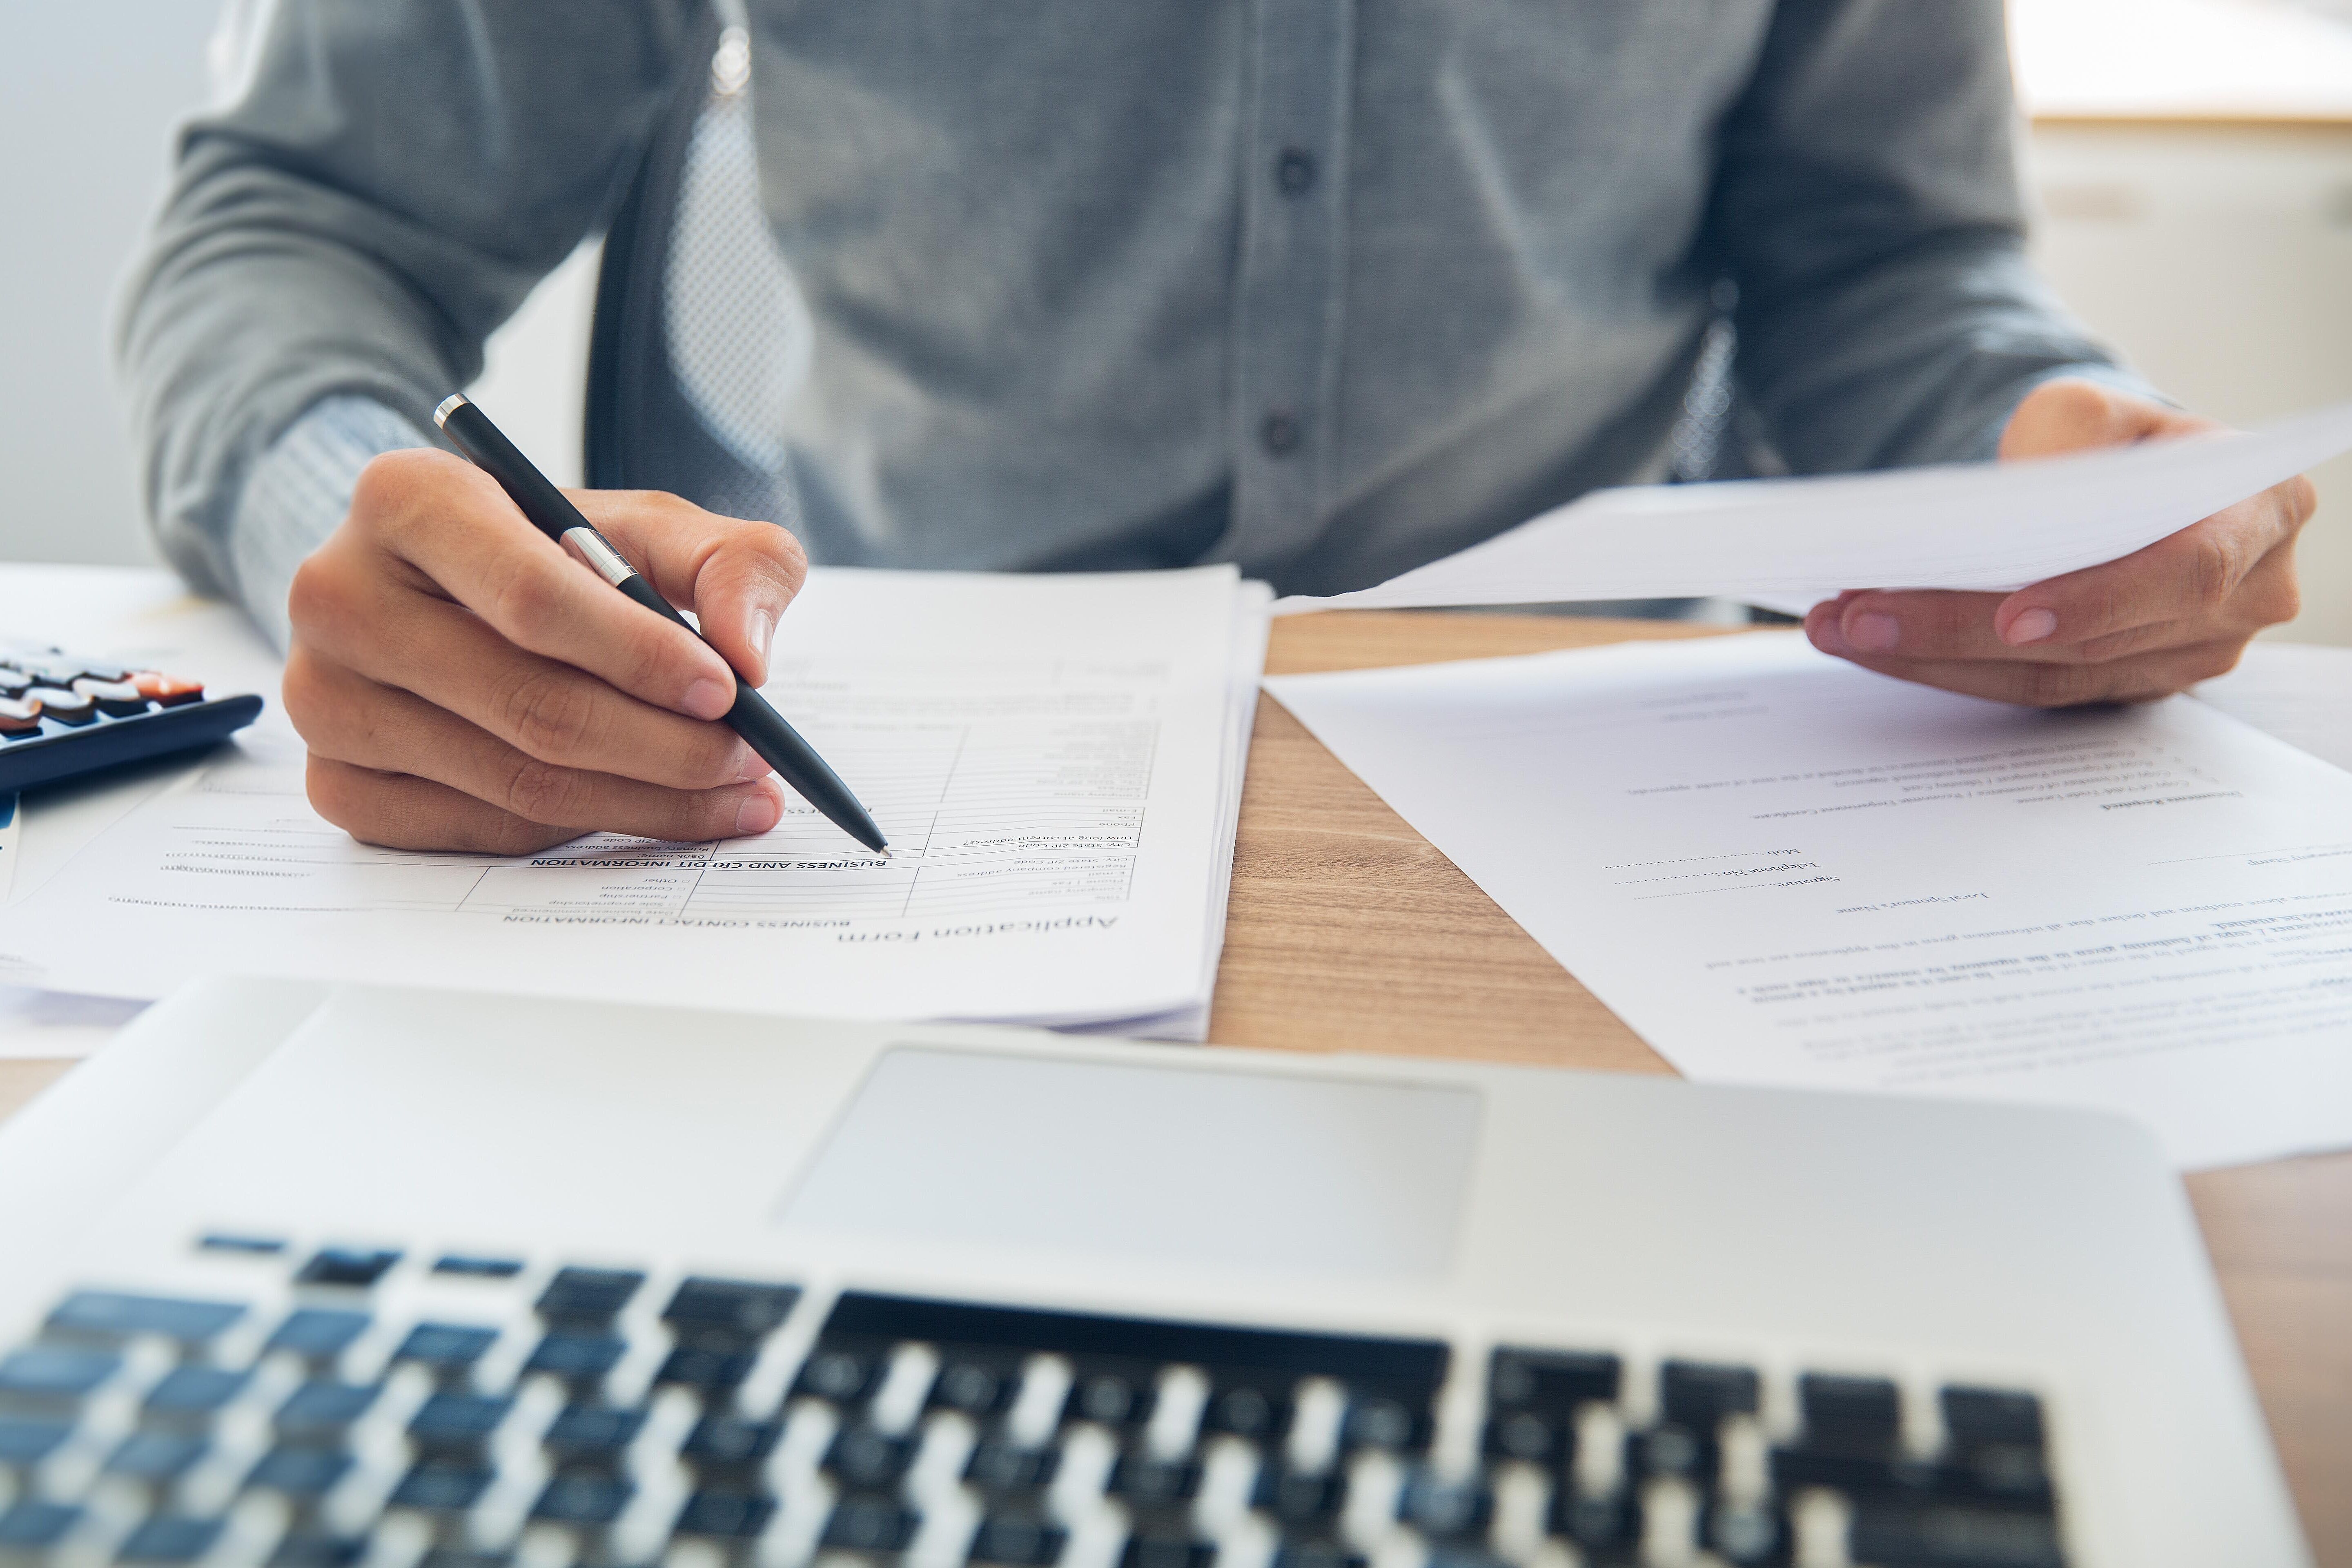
x=1255, y=1172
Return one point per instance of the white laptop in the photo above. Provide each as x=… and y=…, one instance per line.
x=310, y=1275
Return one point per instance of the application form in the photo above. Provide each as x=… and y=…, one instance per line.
x=1055, y=759
x=1780, y=868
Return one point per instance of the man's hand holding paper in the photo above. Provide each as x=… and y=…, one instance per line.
x=2176, y=612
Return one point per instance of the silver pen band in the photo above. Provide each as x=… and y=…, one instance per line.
x=599, y=553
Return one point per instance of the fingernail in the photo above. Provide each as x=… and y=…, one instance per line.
x=753, y=766
x=1875, y=631
x=761, y=629
x=707, y=698
x=2031, y=626
x=761, y=810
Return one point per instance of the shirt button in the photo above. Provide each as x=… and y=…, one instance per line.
x=1280, y=433
x=1294, y=171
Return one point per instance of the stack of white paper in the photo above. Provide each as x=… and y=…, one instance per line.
x=1788, y=544
x=1058, y=762
x=1781, y=868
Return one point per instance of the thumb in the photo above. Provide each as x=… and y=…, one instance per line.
x=2070, y=414
x=735, y=574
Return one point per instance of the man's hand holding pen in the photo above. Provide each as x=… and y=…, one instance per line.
x=463, y=685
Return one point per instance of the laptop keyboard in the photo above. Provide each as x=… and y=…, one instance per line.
x=540, y=1417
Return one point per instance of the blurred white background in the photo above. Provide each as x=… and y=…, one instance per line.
x=2192, y=160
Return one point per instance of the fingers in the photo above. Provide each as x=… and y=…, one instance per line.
x=2036, y=684
x=458, y=529
x=736, y=575
x=404, y=813
x=347, y=719
x=539, y=706
x=2202, y=582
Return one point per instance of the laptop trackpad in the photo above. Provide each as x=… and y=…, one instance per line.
x=1183, y=1167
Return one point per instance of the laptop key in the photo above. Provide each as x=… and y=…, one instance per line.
x=719, y=1440
x=975, y=1384
x=112, y=1315
x=458, y=1421
x=583, y=1497
x=592, y=1432
x=866, y=1458
x=1975, y=1416
x=1744, y=1533
x=318, y=1333
x=1143, y=1479
x=1316, y=1555
x=1117, y=1396
x=25, y=1441
x=194, y=1392
x=1015, y=1539
x=458, y=1557
x=845, y=1374
x=155, y=1455
x=1297, y=1499
x=442, y=1485
x=999, y=1466
x=311, y=1549
x=1167, y=1552
x=588, y=1300
x=1699, y=1395
x=300, y=1472
x=46, y=1375
x=709, y=1371
x=1445, y=1509
x=1849, y=1412
x=729, y=1515
x=30, y=1526
x=862, y=1523
x=1553, y=1380
x=322, y=1411
x=446, y=1347
x=1672, y=1451
x=354, y=1268
x=727, y=1315
x=169, y=1537
x=577, y=1358
x=1953, y=1535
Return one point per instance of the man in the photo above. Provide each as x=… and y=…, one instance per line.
x=1328, y=287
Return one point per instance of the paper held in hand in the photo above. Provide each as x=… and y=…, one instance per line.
x=1788, y=544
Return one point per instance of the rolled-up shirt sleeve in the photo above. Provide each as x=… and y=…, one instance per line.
x=387, y=186
x=1868, y=207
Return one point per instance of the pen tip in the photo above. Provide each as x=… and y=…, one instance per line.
x=884, y=852
x=450, y=404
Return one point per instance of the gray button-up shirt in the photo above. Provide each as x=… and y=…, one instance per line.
x=1358, y=283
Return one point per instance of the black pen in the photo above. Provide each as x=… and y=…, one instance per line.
x=778, y=743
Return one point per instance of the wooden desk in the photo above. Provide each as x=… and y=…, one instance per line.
x=1349, y=931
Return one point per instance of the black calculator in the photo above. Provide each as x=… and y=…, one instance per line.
x=63, y=715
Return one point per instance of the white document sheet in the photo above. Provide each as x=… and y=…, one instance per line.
x=1780, y=868
x=2299, y=692
x=1788, y=544
x=1054, y=759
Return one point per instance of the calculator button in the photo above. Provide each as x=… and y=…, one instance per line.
x=65, y=707
x=170, y=690
x=19, y=716
x=115, y=699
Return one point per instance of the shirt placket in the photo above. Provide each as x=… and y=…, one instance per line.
x=1289, y=294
